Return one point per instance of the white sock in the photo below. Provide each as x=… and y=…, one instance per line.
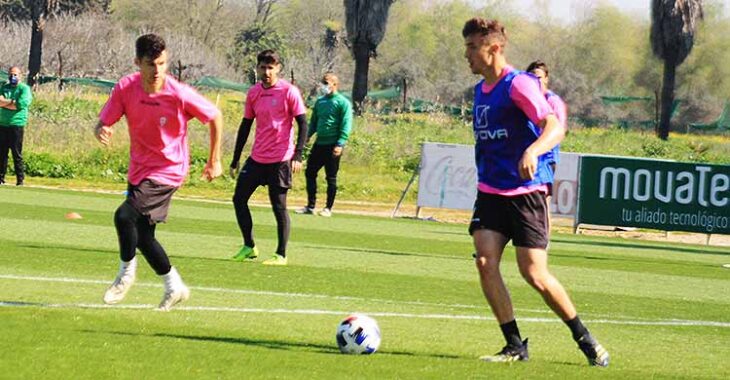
x=172, y=279
x=128, y=267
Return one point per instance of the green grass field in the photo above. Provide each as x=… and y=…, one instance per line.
x=663, y=311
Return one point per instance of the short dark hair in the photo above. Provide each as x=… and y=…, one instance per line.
x=538, y=65
x=484, y=27
x=268, y=56
x=150, y=46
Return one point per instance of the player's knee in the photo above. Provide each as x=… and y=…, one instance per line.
x=125, y=214
x=239, y=199
x=145, y=246
x=537, y=280
x=485, y=267
x=332, y=181
x=310, y=174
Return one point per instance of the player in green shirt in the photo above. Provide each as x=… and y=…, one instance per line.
x=15, y=98
x=331, y=121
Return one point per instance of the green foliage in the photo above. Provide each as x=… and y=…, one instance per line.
x=249, y=42
x=378, y=160
x=393, y=142
x=609, y=49
x=48, y=165
x=60, y=109
x=621, y=142
x=436, y=68
x=655, y=148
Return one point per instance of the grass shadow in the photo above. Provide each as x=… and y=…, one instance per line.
x=383, y=252
x=690, y=250
x=268, y=343
x=64, y=248
x=635, y=261
x=462, y=233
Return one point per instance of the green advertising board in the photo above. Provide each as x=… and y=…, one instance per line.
x=662, y=195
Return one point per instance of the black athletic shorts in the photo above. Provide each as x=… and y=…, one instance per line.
x=522, y=218
x=151, y=199
x=276, y=174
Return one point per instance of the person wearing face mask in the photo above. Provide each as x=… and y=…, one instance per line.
x=15, y=98
x=332, y=122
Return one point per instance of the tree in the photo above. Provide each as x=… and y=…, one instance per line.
x=263, y=10
x=366, y=21
x=249, y=42
x=673, y=27
x=38, y=12
x=315, y=32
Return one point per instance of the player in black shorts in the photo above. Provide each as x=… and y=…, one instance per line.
x=274, y=103
x=514, y=127
x=159, y=161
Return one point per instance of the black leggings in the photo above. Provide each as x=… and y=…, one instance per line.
x=11, y=138
x=136, y=231
x=321, y=155
x=277, y=197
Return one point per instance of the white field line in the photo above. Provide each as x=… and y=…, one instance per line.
x=624, y=321
x=374, y=314
x=261, y=292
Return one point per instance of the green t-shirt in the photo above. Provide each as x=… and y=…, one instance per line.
x=22, y=97
x=331, y=120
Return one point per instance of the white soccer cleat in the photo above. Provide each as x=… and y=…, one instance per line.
x=173, y=297
x=175, y=291
x=121, y=285
x=305, y=210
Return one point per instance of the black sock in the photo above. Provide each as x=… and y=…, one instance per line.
x=511, y=333
x=577, y=328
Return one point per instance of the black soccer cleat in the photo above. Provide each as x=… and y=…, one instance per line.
x=594, y=352
x=509, y=353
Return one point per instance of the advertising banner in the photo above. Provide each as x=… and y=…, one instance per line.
x=565, y=186
x=448, y=179
x=448, y=176
x=662, y=195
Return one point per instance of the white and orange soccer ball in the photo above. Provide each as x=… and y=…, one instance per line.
x=358, y=334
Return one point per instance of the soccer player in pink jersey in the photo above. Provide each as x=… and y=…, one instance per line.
x=540, y=70
x=157, y=109
x=514, y=128
x=274, y=103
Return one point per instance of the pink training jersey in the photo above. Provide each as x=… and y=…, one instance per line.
x=274, y=109
x=526, y=94
x=158, y=127
x=560, y=110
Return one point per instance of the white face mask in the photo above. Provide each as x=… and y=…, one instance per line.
x=324, y=90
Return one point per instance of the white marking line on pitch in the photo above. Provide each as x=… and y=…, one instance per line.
x=374, y=314
x=260, y=292
x=633, y=320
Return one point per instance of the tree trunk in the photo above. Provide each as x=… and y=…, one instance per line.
x=60, y=71
x=36, y=49
x=670, y=69
x=362, y=65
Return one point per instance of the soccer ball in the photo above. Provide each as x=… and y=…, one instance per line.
x=358, y=334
